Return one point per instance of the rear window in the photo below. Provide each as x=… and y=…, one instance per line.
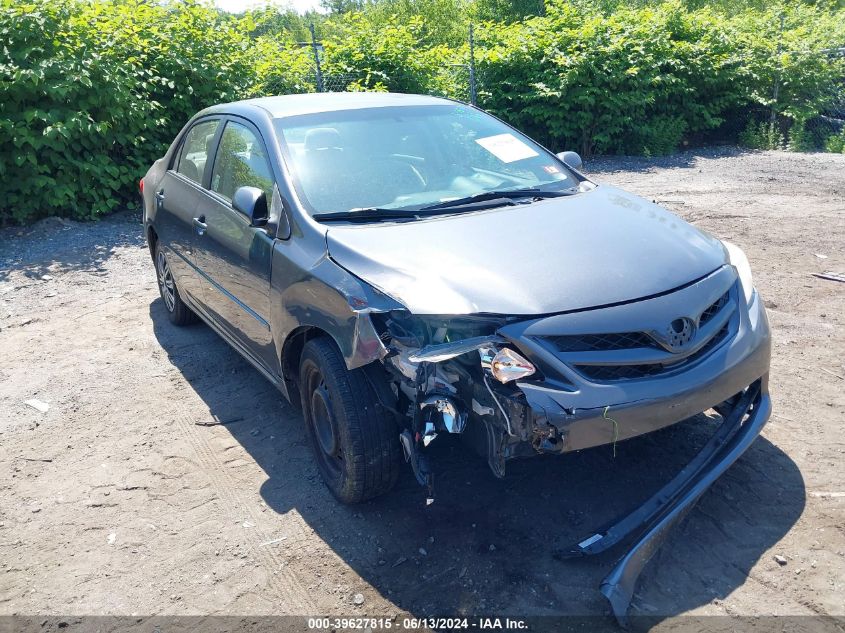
x=195, y=150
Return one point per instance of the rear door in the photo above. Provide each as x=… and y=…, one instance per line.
x=236, y=258
x=178, y=195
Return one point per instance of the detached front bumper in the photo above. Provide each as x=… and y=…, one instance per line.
x=656, y=517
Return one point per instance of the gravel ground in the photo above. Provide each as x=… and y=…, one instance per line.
x=167, y=477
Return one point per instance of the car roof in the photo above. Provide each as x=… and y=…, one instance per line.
x=293, y=105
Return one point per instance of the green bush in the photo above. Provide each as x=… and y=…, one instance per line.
x=635, y=81
x=388, y=55
x=794, y=58
x=92, y=91
x=836, y=143
x=762, y=135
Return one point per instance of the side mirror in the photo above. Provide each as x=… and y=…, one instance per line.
x=252, y=202
x=571, y=158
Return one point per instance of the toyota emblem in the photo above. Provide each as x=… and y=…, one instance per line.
x=679, y=333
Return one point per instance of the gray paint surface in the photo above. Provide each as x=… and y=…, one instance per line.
x=592, y=249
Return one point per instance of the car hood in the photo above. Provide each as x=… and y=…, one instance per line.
x=595, y=248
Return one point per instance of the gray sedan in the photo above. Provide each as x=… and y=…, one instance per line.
x=405, y=267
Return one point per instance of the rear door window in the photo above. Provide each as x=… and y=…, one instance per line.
x=241, y=162
x=196, y=150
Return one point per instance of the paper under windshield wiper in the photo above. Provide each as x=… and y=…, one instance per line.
x=529, y=192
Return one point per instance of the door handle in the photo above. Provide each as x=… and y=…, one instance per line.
x=199, y=225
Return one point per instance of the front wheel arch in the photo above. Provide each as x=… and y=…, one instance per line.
x=292, y=355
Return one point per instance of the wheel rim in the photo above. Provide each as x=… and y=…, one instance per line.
x=324, y=426
x=165, y=282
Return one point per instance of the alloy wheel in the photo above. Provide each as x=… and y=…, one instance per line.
x=165, y=282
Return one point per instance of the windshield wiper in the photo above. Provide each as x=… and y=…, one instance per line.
x=367, y=215
x=370, y=214
x=374, y=214
x=507, y=194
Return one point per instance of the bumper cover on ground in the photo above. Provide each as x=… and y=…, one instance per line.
x=654, y=519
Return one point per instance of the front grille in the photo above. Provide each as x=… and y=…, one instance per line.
x=713, y=309
x=641, y=354
x=609, y=373
x=624, y=340
x=601, y=342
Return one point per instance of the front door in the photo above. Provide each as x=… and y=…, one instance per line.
x=235, y=257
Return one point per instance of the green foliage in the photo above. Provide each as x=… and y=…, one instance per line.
x=439, y=21
x=818, y=134
x=628, y=77
x=635, y=81
x=836, y=143
x=92, y=91
x=338, y=7
x=506, y=11
x=386, y=54
x=793, y=59
x=280, y=24
x=761, y=135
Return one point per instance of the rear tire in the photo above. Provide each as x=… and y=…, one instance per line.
x=355, y=441
x=177, y=311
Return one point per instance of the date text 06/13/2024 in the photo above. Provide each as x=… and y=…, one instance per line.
x=416, y=623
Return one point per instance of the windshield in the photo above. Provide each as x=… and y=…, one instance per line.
x=410, y=157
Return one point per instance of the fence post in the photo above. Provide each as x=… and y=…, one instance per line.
x=316, y=51
x=472, y=92
x=776, y=89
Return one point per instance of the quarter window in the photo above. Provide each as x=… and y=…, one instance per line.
x=241, y=162
x=195, y=150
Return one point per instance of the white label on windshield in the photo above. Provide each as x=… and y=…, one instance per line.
x=506, y=147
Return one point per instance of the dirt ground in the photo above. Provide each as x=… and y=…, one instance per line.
x=126, y=498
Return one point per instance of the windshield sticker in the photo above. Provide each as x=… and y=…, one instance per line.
x=550, y=169
x=506, y=147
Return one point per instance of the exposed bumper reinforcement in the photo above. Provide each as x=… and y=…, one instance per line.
x=655, y=518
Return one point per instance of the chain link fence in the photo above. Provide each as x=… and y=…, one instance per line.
x=336, y=82
x=460, y=77
x=826, y=132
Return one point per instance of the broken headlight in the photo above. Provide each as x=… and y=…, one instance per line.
x=739, y=261
x=418, y=331
x=504, y=364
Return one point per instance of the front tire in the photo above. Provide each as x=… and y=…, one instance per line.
x=177, y=311
x=355, y=441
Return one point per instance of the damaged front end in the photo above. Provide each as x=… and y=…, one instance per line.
x=454, y=374
x=516, y=386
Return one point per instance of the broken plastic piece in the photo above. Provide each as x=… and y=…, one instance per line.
x=39, y=405
x=480, y=409
x=453, y=419
x=445, y=351
x=430, y=434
